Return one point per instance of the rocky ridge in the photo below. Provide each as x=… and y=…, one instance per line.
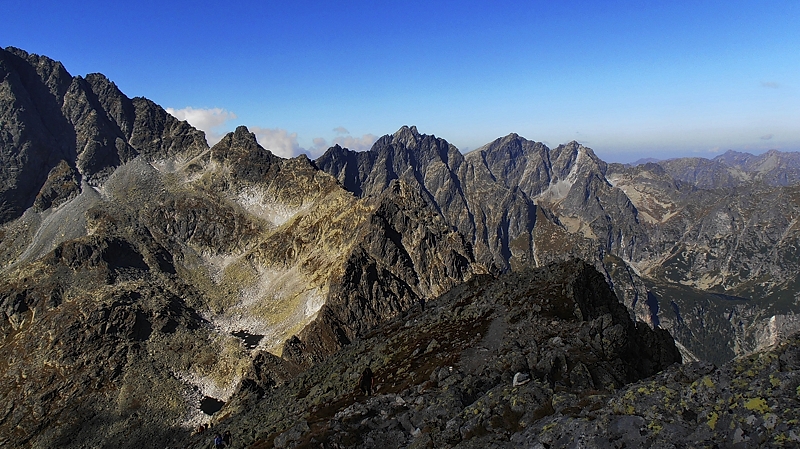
x=538, y=358
x=652, y=230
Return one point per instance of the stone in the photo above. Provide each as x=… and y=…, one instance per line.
x=521, y=379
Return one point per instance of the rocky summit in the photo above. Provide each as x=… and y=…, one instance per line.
x=155, y=290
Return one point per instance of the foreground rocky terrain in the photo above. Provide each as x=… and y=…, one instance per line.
x=539, y=358
x=445, y=375
x=149, y=282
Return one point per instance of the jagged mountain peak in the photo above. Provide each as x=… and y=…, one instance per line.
x=241, y=136
x=511, y=148
x=406, y=134
x=408, y=139
x=51, y=117
x=239, y=142
x=52, y=73
x=576, y=153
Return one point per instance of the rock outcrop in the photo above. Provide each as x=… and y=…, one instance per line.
x=750, y=402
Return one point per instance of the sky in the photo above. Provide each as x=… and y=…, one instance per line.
x=630, y=79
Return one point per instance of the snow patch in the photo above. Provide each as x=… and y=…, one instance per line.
x=314, y=303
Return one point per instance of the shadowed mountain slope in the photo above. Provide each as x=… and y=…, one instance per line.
x=54, y=123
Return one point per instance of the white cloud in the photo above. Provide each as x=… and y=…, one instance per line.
x=767, y=137
x=341, y=130
x=279, y=141
x=770, y=84
x=205, y=120
x=319, y=147
x=362, y=143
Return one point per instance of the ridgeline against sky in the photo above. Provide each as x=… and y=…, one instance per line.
x=631, y=80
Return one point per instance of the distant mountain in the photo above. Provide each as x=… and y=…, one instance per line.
x=635, y=223
x=732, y=169
x=644, y=160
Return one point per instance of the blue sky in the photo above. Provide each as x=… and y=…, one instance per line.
x=629, y=79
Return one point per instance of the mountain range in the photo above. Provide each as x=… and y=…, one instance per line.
x=147, y=276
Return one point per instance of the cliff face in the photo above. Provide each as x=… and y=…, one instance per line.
x=405, y=254
x=496, y=220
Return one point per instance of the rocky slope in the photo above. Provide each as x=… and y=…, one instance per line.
x=136, y=283
x=406, y=254
x=720, y=261
x=445, y=375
